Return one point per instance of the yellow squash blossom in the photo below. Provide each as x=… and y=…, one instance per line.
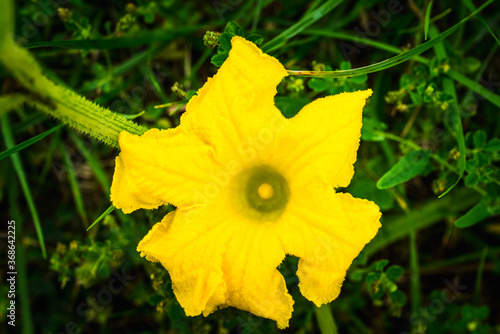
x=250, y=187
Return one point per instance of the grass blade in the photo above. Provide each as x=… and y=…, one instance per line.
x=453, y=114
x=22, y=273
x=472, y=8
x=102, y=216
x=28, y=142
x=302, y=24
x=16, y=161
x=143, y=38
x=471, y=84
x=396, y=60
x=482, y=210
x=427, y=19
x=73, y=182
x=92, y=161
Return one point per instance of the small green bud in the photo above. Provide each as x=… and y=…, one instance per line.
x=295, y=85
x=130, y=8
x=64, y=14
x=211, y=39
x=179, y=91
x=318, y=66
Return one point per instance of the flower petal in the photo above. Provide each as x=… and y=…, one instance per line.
x=253, y=282
x=191, y=250
x=320, y=143
x=326, y=231
x=216, y=259
x=238, y=102
x=160, y=167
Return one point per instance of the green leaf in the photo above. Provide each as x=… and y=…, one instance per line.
x=357, y=275
x=479, y=139
x=427, y=19
x=290, y=106
x=155, y=299
x=493, y=145
x=219, y=59
x=398, y=297
x=416, y=99
x=409, y=166
x=255, y=38
x=225, y=43
x=472, y=180
x=370, y=124
x=394, y=272
x=319, y=84
x=233, y=29
x=372, y=277
x=487, y=207
x=380, y=265
x=359, y=79
x=483, y=159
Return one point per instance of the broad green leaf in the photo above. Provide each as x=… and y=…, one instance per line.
x=290, y=106
x=493, y=145
x=409, y=166
x=398, y=297
x=370, y=124
x=319, y=84
x=487, y=207
x=479, y=139
x=472, y=179
x=372, y=277
x=255, y=38
x=380, y=265
x=394, y=272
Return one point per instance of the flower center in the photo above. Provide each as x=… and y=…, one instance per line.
x=265, y=192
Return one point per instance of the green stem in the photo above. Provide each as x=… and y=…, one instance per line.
x=326, y=322
x=57, y=101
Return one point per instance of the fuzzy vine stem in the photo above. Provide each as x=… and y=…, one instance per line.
x=55, y=100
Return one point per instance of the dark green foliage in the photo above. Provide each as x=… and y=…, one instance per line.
x=146, y=59
x=232, y=29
